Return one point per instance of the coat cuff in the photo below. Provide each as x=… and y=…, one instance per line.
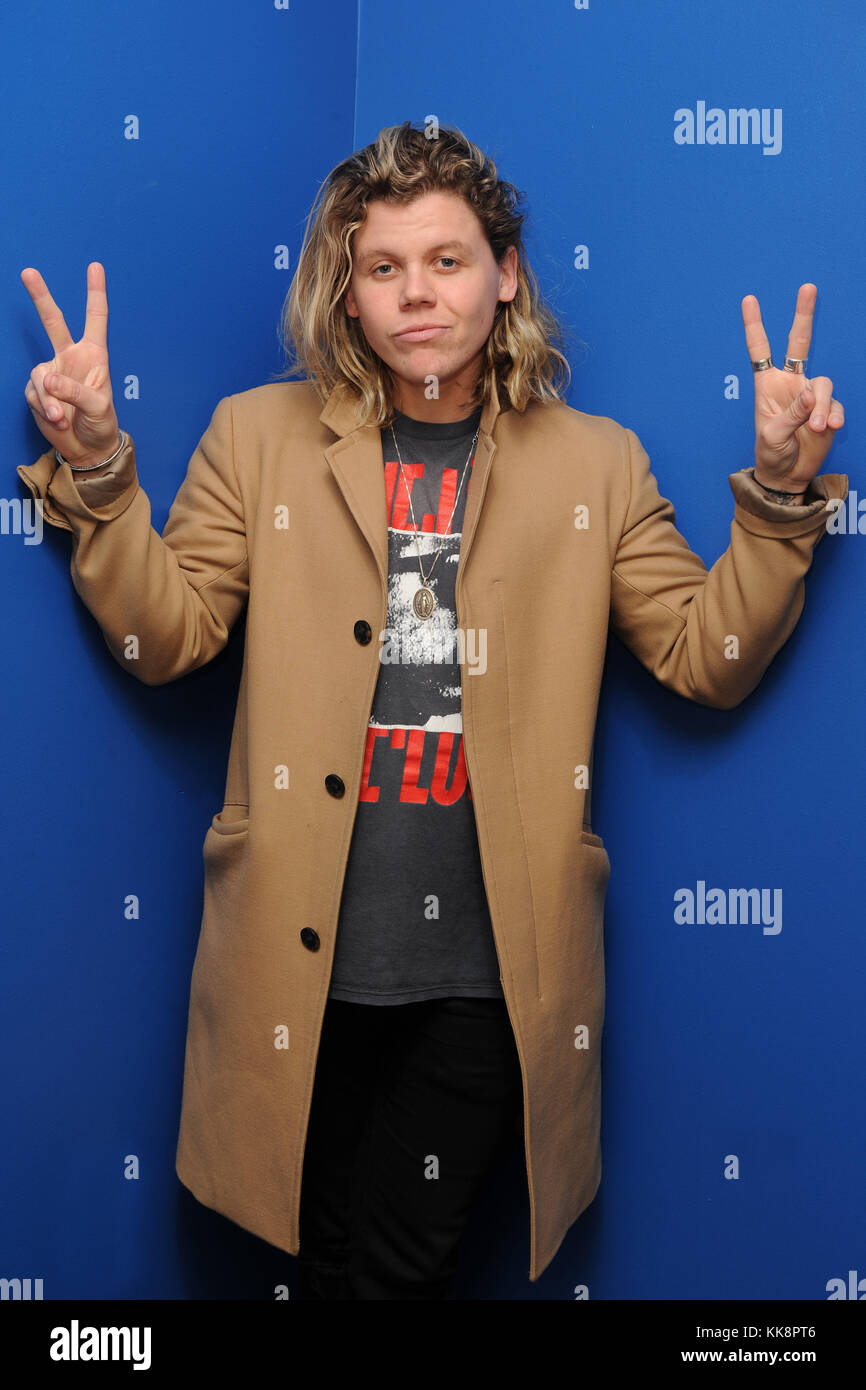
x=65, y=494
x=758, y=513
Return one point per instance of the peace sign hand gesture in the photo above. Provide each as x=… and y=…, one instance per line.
x=795, y=418
x=70, y=397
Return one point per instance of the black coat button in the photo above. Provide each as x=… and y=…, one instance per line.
x=363, y=632
x=310, y=938
x=335, y=785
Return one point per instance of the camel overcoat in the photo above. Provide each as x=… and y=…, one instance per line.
x=566, y=535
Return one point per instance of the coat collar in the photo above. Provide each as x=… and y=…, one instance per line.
x=339, y=413
x=355, y=459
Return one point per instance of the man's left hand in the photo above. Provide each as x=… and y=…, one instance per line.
x=795, y=418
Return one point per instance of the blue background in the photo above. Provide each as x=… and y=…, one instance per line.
x=719, y=1040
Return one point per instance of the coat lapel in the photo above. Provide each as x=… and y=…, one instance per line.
x=355, y=459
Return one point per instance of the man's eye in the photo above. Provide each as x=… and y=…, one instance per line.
x=385, y=265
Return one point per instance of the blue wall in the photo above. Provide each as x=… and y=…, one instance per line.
x=720, y=1040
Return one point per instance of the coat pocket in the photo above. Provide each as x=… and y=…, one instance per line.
x=233, y=819
x=595, y=842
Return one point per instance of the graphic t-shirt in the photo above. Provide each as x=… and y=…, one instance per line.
x=414, y=921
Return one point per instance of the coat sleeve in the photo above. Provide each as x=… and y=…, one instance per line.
x=165, y=604
x=710, y=636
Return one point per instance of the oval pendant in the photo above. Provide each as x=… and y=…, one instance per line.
x=424, y=602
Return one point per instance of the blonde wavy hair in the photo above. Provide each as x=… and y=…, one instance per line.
x=522, y=361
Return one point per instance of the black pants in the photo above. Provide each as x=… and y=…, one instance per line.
x=412, y=1104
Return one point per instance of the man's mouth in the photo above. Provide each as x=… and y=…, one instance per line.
x=421, y=335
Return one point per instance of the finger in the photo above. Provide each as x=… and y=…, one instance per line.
x=756, y=339
x=49, y=407
x=96, y=314
x=836, y=418
x=800, y=336
x=84, y=398
x=822, y=388
x=52, y=320
x=779, y=428
x=31, y=395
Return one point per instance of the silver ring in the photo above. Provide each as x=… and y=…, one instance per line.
x=763, y=365
x=795, y=365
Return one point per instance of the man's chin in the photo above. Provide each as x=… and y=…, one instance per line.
x=417, y=375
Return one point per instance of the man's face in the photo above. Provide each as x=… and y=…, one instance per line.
x=428, y=262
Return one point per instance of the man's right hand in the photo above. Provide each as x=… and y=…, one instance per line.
x=70, y=397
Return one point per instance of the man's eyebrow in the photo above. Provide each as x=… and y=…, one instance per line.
x=441, y=246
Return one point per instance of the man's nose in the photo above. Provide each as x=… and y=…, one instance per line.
x=417, y=286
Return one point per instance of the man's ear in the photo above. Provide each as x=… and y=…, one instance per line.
x=509, y=266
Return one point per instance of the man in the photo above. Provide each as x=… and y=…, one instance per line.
x=400, y=829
